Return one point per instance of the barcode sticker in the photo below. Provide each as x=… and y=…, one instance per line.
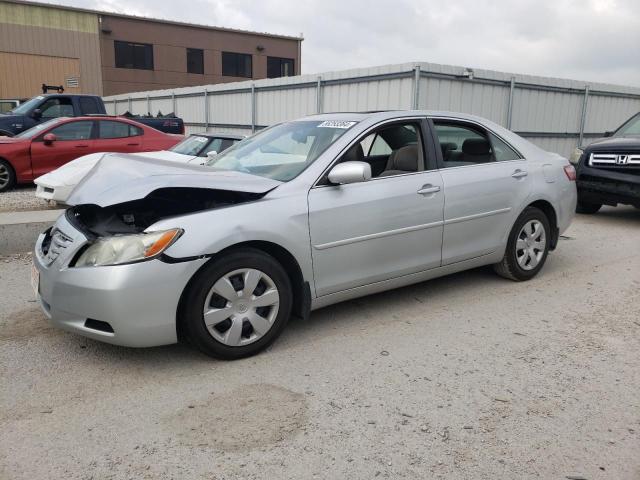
x=336, y=124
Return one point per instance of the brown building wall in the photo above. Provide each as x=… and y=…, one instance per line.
x=31, y=33
x=170, y=57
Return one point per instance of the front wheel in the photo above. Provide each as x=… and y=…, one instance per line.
x=527, y=247
x=7, y=176
x=588, y=208
x=237, y=305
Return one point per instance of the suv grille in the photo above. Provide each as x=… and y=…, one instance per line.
x=614, y=159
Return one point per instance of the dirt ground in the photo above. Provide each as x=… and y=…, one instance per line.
x=465, y=377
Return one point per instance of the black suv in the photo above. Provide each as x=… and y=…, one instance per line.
x=609, y=169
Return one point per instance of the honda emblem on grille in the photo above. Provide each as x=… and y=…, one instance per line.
x=622, y=159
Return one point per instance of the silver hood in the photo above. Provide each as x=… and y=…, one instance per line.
x=119, y=178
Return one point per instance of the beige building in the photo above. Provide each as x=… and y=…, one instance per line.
x=102, y=53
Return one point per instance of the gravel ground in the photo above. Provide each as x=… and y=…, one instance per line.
x=21, y=199
x=468, y=376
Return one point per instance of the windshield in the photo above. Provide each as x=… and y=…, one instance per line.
x=631, y=128
x=33, y=131
x=191, y=145
x=24, y=108
x=283, y=151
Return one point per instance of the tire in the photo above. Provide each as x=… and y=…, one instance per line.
x=7, y=176
x=520, y=264
x=239, y=325
x=588, y=208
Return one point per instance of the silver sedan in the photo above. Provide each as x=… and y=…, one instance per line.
x=302, y=215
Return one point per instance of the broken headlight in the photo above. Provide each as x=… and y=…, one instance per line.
x=127, y=248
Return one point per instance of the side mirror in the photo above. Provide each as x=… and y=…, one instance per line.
x=49, y=138
x=211, y=154
x=36, y=114
x=608, y=133
x=350, y=172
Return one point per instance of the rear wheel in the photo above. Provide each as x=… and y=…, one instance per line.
x=7, y=176
x=588, y=208
x=237, y=305
x=527, y=247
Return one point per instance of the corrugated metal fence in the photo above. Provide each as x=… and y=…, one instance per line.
x=555, y=114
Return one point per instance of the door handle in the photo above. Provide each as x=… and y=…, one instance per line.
x=82, y=146
x=428, y=188
x=519, y=174
x=133, y=144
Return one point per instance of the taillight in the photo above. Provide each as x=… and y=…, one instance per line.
x=570, y=172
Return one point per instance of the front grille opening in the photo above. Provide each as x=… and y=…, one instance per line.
x=98, y=325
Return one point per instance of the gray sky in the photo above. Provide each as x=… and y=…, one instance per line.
x=597, y=40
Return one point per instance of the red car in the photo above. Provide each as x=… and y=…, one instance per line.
x=51, y=144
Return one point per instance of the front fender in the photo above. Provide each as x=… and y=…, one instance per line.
x=283, y=221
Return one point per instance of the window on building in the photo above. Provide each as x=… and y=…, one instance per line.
x=133, y=55
x=195, y=60
x=237, y=65
x=279, y=67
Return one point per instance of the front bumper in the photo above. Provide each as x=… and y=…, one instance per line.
x=139, y=301
x=598, y=185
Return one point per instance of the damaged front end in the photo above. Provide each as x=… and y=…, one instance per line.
x=137, y=215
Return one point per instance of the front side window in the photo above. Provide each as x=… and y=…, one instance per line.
x=195, y=60
x=237, y=65
x=57, y=107
x=112, y=129
x=279, y=67
x=390, y=150
x=133, y=55
x=73, y=131
x=281, y=152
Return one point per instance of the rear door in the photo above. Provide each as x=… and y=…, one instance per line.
x=118, y=136
x=486, y=181
x=73, y=139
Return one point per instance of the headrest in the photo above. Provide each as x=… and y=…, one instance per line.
x=354, y=154
x=446, y=146
x=405, y=159
x=476, y=146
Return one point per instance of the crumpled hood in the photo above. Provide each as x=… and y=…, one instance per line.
x=120, y=178
x=167, y=155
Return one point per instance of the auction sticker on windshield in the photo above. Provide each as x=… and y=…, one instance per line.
x=336, y=124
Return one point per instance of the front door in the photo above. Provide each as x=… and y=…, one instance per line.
x=486, y=183
x=73, y=140
x=389, y=226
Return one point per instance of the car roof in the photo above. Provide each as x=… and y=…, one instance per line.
x=389, y=114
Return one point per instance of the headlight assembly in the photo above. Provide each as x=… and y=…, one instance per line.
x=127, y=248
x=575, y=156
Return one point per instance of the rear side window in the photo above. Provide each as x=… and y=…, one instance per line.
x=112, y=129
x=89, y=105
x=501, y=151
x=73, y=131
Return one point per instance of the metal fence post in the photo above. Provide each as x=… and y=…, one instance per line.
x=319, y=95
x=512, y=87
x=583, y=118
x=173, y=103
x=416, y=87
x=206, y=110
x=253, y=108
x=148, y=105
x=129, y=104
